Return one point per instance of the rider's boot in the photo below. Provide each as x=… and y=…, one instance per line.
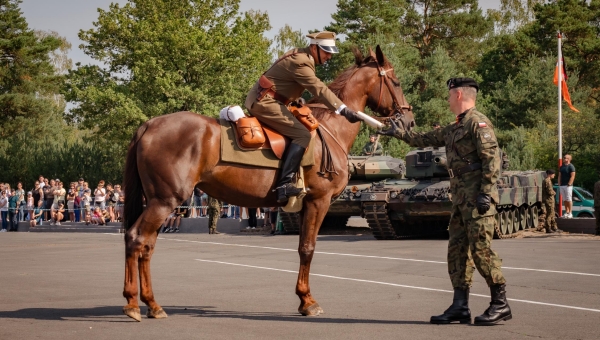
x=458, y=311
x=291, y=163
x=499, y=310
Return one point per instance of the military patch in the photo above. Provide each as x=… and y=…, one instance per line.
x=482, y=124
x=487, y=135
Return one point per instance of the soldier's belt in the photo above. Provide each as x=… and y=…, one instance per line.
x=460, y=171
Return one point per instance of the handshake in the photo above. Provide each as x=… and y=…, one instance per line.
x=395, y=126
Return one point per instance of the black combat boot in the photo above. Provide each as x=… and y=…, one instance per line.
x=458, y=311
x=499, y=310
x=291, y=163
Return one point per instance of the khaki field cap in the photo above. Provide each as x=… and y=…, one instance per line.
x=325, y=40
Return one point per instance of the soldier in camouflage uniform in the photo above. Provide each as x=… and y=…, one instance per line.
x=214, y=210
x=548, y=197
x=597, y=206
x=474, y=166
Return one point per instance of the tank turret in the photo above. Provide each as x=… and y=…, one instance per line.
x=426, y=163
x=375, y=168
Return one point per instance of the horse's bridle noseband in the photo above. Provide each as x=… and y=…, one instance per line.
x=388, y=83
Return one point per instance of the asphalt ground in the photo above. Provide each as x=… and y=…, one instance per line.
x=68, y=286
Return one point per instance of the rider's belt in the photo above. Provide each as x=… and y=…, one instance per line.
x=265, y=87
x=460, y=171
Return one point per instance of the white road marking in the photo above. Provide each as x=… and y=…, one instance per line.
x=374, y=257
x=367, y=256
x=399, y=285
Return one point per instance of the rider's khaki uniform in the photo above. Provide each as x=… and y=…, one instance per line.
x=290, y=77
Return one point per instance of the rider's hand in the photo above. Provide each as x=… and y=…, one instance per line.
x=483, y=203
x=350, y=115
x=392, y=130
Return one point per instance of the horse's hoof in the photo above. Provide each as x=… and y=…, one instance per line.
x=312, y=310
x=133, y=313
x=156, y=314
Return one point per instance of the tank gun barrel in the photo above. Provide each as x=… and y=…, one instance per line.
x=441, y=161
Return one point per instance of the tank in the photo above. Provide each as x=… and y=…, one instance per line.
x=420, y=204
x=363, y=170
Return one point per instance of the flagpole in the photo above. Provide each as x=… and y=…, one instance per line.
x=560, y=76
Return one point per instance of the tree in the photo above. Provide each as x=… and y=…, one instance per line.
x=360, y=19
x=288, y=39
x=457, y=25
x=162, y=56
x=28, y=82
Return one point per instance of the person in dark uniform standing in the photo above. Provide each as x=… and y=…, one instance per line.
x=214, y=210
x=284, y=83
x=474, y=164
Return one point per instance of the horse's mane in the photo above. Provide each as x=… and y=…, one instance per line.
x=338, y=84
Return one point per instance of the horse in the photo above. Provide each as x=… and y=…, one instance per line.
x=169, y=155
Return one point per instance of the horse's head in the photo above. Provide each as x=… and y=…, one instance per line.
x=384, y=93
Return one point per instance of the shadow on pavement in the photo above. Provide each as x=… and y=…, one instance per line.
x=114, y=314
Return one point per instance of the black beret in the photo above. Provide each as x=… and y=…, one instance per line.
x=462, y=82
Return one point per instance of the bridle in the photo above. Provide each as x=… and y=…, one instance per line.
x=388, y=83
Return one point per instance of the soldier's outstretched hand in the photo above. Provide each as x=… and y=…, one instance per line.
x=392, y=130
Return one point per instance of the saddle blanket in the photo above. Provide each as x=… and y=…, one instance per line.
x=231, y=152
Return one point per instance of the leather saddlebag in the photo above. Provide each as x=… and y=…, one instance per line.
x=250, y=132
x=304, y=116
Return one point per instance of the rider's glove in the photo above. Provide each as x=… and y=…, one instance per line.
x=350, y=115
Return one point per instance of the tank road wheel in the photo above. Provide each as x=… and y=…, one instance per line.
x=512, y=221
x=535, y=217
x=504, y=222
x=522, y=218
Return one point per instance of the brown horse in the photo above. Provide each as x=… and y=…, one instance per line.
x=171, y=154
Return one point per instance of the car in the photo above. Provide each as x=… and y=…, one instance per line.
x=583, y=202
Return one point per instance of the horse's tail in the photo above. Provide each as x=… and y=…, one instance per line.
x=134, y=190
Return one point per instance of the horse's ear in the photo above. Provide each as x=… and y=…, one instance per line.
x=380, y=56
x=371, y=52
x=358, y=57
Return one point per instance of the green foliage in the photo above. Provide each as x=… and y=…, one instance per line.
x=27, y=158
x=163, y=56
x=287, y=39
x=29, y=105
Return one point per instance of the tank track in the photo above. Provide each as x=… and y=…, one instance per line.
x=291, y=222
x=378, y=220
x=512, y=221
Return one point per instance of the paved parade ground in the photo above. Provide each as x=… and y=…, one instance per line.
x=68, y=286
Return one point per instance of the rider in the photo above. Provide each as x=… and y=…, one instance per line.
x=285, y=81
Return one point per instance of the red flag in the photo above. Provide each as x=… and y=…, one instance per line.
x=560, y=65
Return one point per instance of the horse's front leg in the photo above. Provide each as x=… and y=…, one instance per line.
x=314, y=214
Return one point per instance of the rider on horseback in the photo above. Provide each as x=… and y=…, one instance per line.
x=283, y=83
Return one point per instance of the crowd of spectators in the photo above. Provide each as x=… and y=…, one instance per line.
x=49, y=201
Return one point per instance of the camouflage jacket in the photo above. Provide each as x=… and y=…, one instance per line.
x=472, y=140
x=548, y=192
x=597, y=194
x=368, y=149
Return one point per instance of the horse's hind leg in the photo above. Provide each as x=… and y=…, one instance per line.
x=313, y=216
x=141, y=239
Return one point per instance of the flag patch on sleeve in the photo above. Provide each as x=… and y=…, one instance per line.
x=482, y=125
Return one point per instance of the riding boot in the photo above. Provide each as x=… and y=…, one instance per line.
x=458, y=311
x=291, y=163
x=499, y=310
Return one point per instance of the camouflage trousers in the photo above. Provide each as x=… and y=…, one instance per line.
x=213, y=217
x=469, y=247
x=550, y=220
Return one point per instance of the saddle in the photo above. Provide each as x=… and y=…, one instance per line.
x=251, y=135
